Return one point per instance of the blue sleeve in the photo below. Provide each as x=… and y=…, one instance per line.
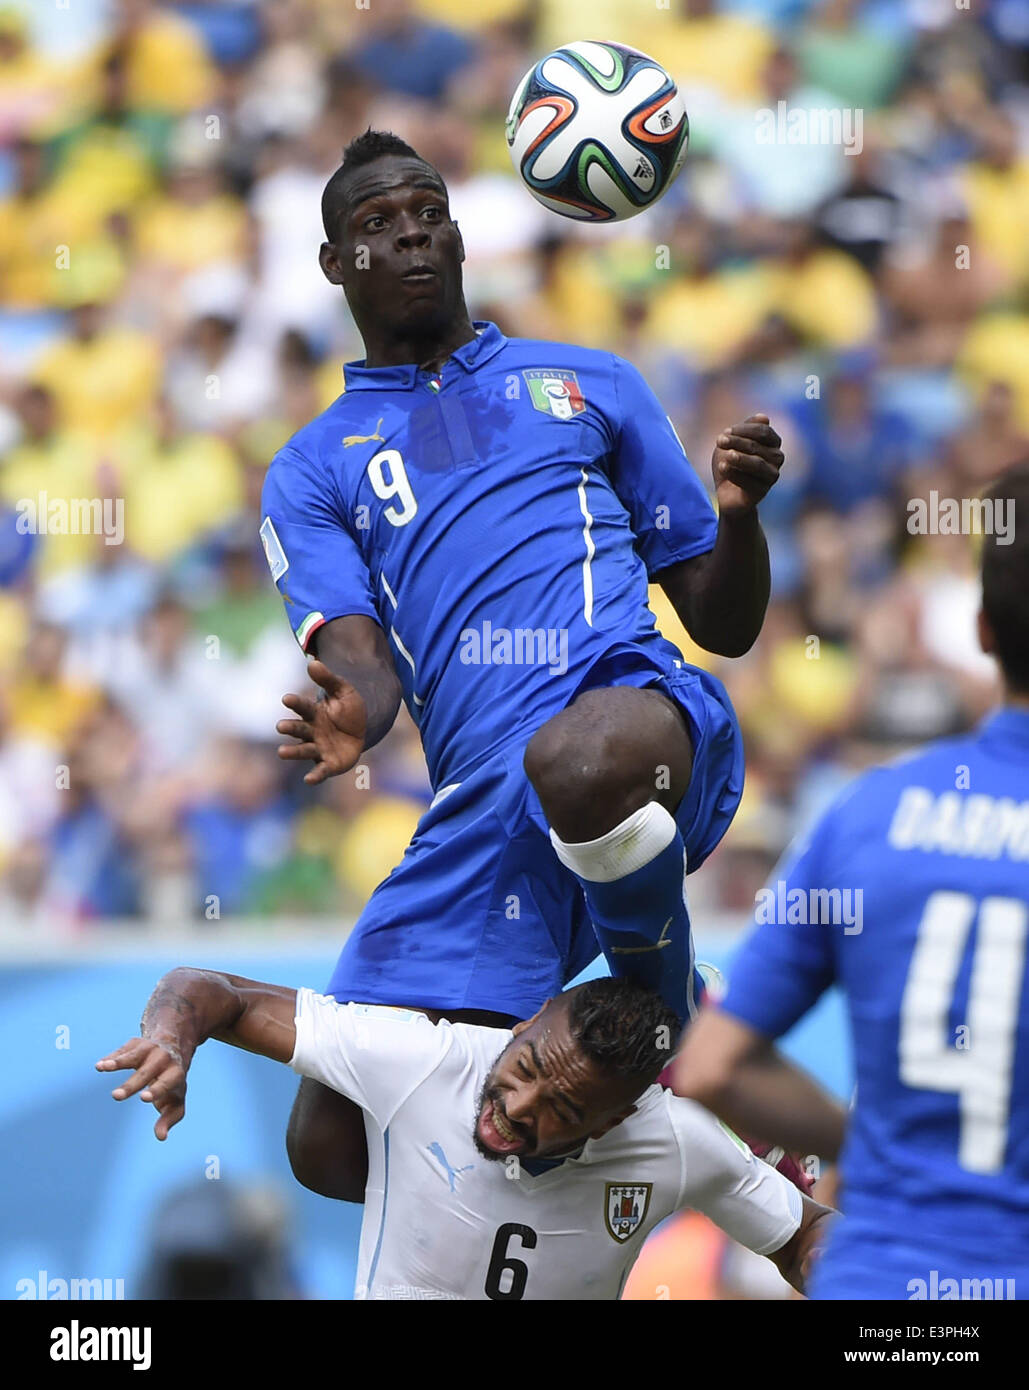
x=315, y=561
x=671, y=514
x=788, y=961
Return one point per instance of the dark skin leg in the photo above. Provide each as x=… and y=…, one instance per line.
x=606, y=755
x=325, y=1138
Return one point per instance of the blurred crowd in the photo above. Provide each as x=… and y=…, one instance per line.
x=165, y=327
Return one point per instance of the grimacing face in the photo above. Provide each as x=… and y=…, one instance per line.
x=397, y=252
x=543, y=1098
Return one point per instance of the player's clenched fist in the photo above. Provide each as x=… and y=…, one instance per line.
x=330, y=731
x=158, y=1077
x=746, y=463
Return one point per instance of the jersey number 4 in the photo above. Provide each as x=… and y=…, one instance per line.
x=979, y=1069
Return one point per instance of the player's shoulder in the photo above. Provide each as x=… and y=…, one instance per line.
x=700, y=1134
x=548, y=354
x=687, y=1117
x=650, y=1136
x=604, y=381
x=931, y=764
x=479, y=1046
x=321, y=437
x=367, y=1019
x=654, y=1121
x=666, y=1126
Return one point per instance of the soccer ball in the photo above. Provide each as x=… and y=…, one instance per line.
x=597, y=131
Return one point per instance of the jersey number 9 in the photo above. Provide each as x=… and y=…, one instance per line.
x=396, y=484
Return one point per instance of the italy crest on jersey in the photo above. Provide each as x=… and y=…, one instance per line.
x=625, y=1207
x=555, y=391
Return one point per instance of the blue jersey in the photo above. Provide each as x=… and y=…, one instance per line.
x=500, y=520
x=928, y=860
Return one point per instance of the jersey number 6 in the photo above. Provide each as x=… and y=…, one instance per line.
x=395, y=485
x=500, y=1262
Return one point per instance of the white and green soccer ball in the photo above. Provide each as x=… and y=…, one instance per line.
x=597, y=131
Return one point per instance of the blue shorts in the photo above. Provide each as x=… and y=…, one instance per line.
x=480, y=913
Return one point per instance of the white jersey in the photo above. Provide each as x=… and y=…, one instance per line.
x=441, y=1221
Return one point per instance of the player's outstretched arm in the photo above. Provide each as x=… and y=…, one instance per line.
x=361, y=694
x=188, y=1007
x=721, y=597
x=736, y=1072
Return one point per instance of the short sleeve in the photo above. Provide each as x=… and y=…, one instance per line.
x=315, y=562
x=788, y=961
x=672, y=516
x=374, y=1054
x=747, y=1198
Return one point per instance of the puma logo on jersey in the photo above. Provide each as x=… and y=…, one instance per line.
x=452, y=1173
x=349, y=439
x=662, y=941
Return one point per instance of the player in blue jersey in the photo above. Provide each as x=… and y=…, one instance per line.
x=935, y=1167
x=471, y=528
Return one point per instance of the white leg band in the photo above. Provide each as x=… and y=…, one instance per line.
x=629, y=846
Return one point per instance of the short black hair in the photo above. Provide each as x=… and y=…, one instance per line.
x=623, y=1028
x=363, y=149
x=1005, y=571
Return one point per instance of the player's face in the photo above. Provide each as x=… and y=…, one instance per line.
x=543, y=1098
x=397, y=252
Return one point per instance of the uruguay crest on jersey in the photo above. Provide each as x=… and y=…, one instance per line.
x=625, y=1207
x=555, y=391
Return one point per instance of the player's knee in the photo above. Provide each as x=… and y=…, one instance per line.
x=326, y=1143
x=584, y=787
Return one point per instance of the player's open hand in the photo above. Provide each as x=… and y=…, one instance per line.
x=330, y=731
x=745, y=463
x=158, y=1077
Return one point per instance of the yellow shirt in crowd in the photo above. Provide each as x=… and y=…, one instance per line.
x=998, y=201
x=102, y=384
x=63, y=467
x=997, y=349
x=168, y=66
x=48, y=710
x=37, y=234
x=707, y=317
x=186, y=237
x=175, y=493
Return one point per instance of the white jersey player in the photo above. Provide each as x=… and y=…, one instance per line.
x=503, y=1165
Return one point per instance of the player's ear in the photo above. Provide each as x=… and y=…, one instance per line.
x=986, y=638
x=528, y=1022
x=460, y=242
x=328, y=259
